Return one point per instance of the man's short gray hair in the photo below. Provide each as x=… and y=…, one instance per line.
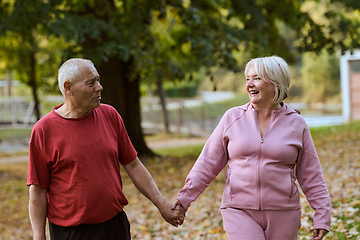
x=69, y=71
x=277, y=70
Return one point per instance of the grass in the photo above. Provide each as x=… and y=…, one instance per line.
x=188, y=151
x=12, y=133
x=323, y=132
x=15, y=136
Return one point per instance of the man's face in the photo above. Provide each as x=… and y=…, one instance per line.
x=86, y=91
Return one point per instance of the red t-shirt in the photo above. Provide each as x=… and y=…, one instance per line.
x=77, y=161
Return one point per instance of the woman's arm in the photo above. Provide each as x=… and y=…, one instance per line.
x=312, y=182
x=318, y=234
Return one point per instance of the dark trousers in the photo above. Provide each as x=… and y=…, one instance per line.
x=117, y=228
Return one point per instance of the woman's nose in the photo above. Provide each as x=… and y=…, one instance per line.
x=249, y=82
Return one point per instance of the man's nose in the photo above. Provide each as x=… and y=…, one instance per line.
x=99, y=88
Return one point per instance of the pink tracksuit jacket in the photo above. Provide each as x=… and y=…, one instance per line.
x=261, y=172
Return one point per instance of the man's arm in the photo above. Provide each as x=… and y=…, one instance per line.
x=144, y=182
x=38, y=211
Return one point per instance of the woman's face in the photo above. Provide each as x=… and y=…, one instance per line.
x=260, y=92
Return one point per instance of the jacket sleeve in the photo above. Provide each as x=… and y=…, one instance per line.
x=312, y=182
x=212, y=159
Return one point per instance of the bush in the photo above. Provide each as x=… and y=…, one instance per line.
x=184, y=89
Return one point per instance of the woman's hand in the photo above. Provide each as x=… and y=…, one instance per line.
x=176, y=203
x=318, y=234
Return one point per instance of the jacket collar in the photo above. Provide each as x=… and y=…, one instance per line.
x=286, y=110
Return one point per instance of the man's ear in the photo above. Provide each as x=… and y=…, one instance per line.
x=67, y=88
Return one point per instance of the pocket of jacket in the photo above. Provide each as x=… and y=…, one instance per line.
x=293, y=190
x=228, y=181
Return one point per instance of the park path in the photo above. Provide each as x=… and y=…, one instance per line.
x=14, y=159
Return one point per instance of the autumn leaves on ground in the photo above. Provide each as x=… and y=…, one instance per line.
x=338, y=148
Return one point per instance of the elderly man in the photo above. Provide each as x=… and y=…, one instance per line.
x=75, y=154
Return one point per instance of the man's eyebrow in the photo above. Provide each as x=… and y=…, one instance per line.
x=92, y=79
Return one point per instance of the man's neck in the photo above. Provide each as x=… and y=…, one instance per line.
x=67, y=111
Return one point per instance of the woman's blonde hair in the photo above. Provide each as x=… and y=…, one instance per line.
x=277, y=70
x=69, y=71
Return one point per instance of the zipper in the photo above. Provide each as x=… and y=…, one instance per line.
x=258, y=170
x=260, y=157
x=259, y=174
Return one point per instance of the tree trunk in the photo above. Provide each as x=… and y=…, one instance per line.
x=32, y=79
x=162, y=97
x=124, y=94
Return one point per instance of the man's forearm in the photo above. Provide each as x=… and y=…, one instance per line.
x=144, y=182
x=38, y=211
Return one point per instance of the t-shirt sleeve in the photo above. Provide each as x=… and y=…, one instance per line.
x=127, y=152
x=38, y=169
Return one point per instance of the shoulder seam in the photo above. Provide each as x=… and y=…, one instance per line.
x=237, y=118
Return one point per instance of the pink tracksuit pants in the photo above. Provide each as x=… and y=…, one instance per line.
x=261, y=225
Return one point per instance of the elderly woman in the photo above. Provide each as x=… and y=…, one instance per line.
x=267, y=147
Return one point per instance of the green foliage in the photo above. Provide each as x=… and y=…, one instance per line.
x=339, y=22
x=321, y=76
x=162, y=34
x=182, y=89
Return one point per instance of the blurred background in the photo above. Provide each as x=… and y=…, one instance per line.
x=172, y=68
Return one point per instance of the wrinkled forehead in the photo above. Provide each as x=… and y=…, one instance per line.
x=86, y=72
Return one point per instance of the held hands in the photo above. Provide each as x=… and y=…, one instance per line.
x=177, y=205
x=173, y=215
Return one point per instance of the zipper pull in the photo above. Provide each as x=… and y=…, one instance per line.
x=262, y=140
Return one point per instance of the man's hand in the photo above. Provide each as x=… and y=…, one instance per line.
x=144, y=182
x=174, y=216
x=318, y=234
